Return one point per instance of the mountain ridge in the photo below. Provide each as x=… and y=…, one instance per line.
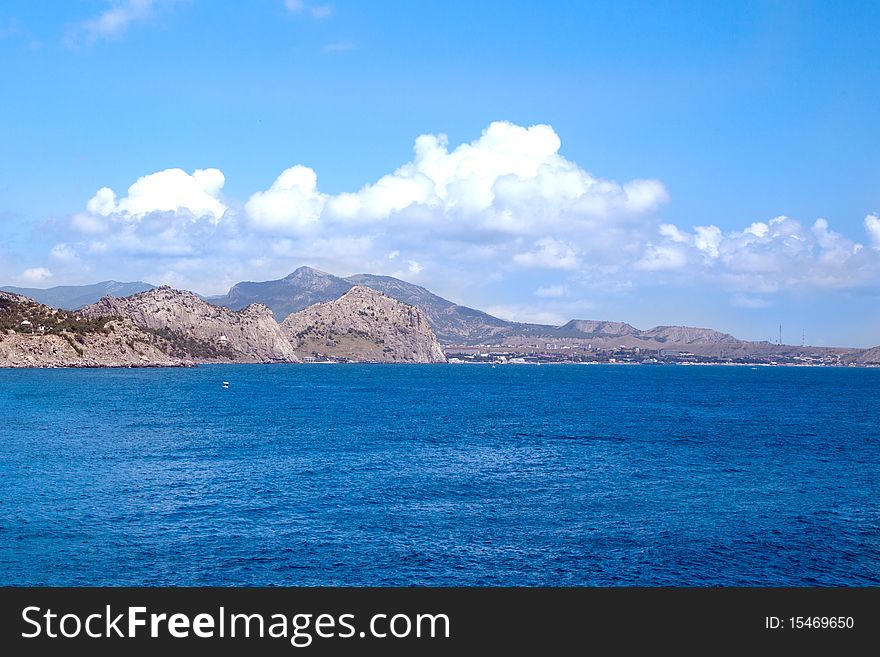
x=454, y=324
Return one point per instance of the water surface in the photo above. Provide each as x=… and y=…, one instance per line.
x=440, y=475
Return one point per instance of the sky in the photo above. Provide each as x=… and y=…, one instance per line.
x=707, y=164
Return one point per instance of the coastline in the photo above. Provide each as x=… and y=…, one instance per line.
x=191, y=364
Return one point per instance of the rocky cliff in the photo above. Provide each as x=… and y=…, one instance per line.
x=200, y=330
x=34, y=335
x=364, y=325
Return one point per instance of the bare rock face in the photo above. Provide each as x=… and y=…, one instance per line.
x=199, y=330
x=34, y=335
x=364, y=325
x=869, y=356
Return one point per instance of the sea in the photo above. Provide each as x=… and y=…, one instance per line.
x=440, y=475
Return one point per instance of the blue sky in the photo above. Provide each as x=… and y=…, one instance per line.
x=654, y=163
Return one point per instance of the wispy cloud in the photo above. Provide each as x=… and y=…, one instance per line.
x=321, y=11
x=318, y=12
x=34, y=275
x=113, y=22
x=341, y=46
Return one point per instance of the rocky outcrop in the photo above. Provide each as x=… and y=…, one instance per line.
x=34, y=335
x=200, y=330
x=364, y=325
x=868, y=357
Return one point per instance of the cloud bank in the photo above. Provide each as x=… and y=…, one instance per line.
x=506, y=204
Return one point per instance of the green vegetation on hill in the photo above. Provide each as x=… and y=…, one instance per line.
x=25, y=316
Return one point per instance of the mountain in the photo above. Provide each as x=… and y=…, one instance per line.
x=200, y=330
x=451, y=322
x=455, y=324
x=364, y=325
x=73, y=297
x=35, y=335
x=299, y=290
x=306, y=286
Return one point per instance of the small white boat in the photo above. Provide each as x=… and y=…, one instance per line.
x=226, y=384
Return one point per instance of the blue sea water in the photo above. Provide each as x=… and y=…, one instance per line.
x=440, y=475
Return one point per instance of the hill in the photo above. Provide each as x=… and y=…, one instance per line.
x=35, y=335
x=199, y=329
x=364, y=325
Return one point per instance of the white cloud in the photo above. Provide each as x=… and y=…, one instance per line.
x=662, y=257
x=35, y=275
x=318, y=12
x=758, y=229
x=510, y=181
x=872, y=225
x=63, y=253
x=549, y=254
x=114, y=21
x=480, y=211
x=765, y=257
x=672, y=233
x=292, y=204
x=707, y=239
x=169, y=213
x=89, y=224
x=321, y=11
x=171, y=190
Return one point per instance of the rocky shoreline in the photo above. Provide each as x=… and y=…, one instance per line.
x=164, y=327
